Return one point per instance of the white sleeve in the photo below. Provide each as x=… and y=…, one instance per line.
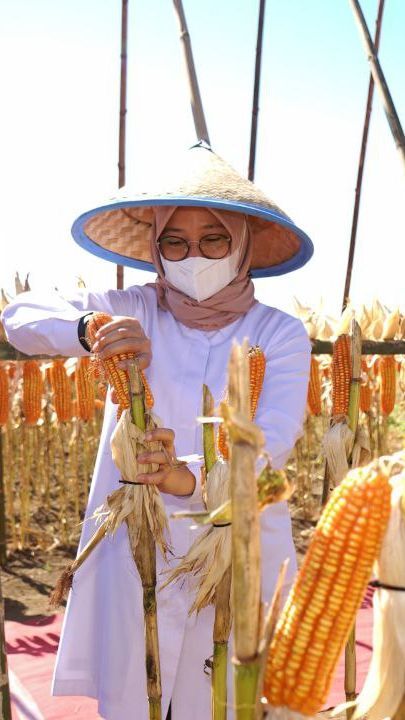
x=37, y=323
x=283, y=398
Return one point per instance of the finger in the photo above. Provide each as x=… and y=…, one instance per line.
x=119, y=322
x=158, y=457
x=126, y=345
x=119, y=333
x=164, y=434
x=152, y=478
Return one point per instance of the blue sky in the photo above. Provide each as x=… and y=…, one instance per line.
x=59, y=128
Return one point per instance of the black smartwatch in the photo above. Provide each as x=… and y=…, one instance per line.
x=81, y=331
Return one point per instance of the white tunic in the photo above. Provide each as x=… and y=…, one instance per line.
x=101, y=653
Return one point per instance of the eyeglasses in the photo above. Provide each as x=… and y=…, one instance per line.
x=213, y=247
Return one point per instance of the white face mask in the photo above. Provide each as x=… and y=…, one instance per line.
x=199, y=277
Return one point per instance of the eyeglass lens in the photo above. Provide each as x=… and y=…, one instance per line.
x=214, y=247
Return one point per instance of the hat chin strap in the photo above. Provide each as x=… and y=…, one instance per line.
x=200, y=278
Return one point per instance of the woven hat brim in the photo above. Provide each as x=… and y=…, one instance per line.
x=120, y=232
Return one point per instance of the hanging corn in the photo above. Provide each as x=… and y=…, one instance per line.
x=314, y=389
x=257, y=368
x=341, y=376
x=84, y=390
x=33, y=386
x=62, y=391
x=387, y=369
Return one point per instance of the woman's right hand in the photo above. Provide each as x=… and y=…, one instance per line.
x=123, y=335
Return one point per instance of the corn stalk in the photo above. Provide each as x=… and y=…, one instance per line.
x=353, y=417
x=145, y=559
x=245, y=441
x=223, y=614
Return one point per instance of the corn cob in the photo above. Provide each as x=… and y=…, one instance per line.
x=388, y=376
x=4, y=396
x=365, y=388
x=341, y=375
x=62, y=390
x=323, y=602
x=257, y=368
x=33, y=385
x=314, y=389
x=84, y=389
x=116, y=376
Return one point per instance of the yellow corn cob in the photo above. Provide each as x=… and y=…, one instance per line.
x=62, y=391
x=365, y=388
x=387, y=368
x=341, y=376
x=322, y=605
x=33, y=386
x=314, y=389
x=4, y=396
x=84, y=389
x=116, y=376
x=257, y=368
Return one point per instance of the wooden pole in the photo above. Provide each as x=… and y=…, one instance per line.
x=353, y=418
x=123, y=112
x=5, y=707
x=3, y=525
x=256, y=90
x=196, y=102
x=379, y=79
x=363, y=149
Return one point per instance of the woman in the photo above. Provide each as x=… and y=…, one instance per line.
x=204, y=239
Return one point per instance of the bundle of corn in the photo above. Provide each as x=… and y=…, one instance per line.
x=33, y=385
x=139, y=506
x=383, y=689
x=327, y=593
x=257, y=368
x=345, y=444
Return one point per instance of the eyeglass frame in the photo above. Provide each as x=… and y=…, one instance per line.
x=190, y=243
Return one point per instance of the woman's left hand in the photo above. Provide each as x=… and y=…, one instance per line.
x=170, y=478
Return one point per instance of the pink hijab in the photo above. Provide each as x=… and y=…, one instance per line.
x=225, y=306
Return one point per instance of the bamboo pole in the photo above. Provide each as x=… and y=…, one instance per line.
x=256, y=91
x=195, y=97
x=245, y=441
x=379, y=79
x=362, y=157
x=123, y=112
x=145, y=559
x=353, y=415
x=319, y=347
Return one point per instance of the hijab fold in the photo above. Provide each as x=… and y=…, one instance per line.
x=227, y=305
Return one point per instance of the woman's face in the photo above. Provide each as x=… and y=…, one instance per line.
x=194, y=232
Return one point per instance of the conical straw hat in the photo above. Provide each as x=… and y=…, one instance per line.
x=120, y=230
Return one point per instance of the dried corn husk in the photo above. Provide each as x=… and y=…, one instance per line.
x=210, y=555
x=127, y=442
x=339, y=444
